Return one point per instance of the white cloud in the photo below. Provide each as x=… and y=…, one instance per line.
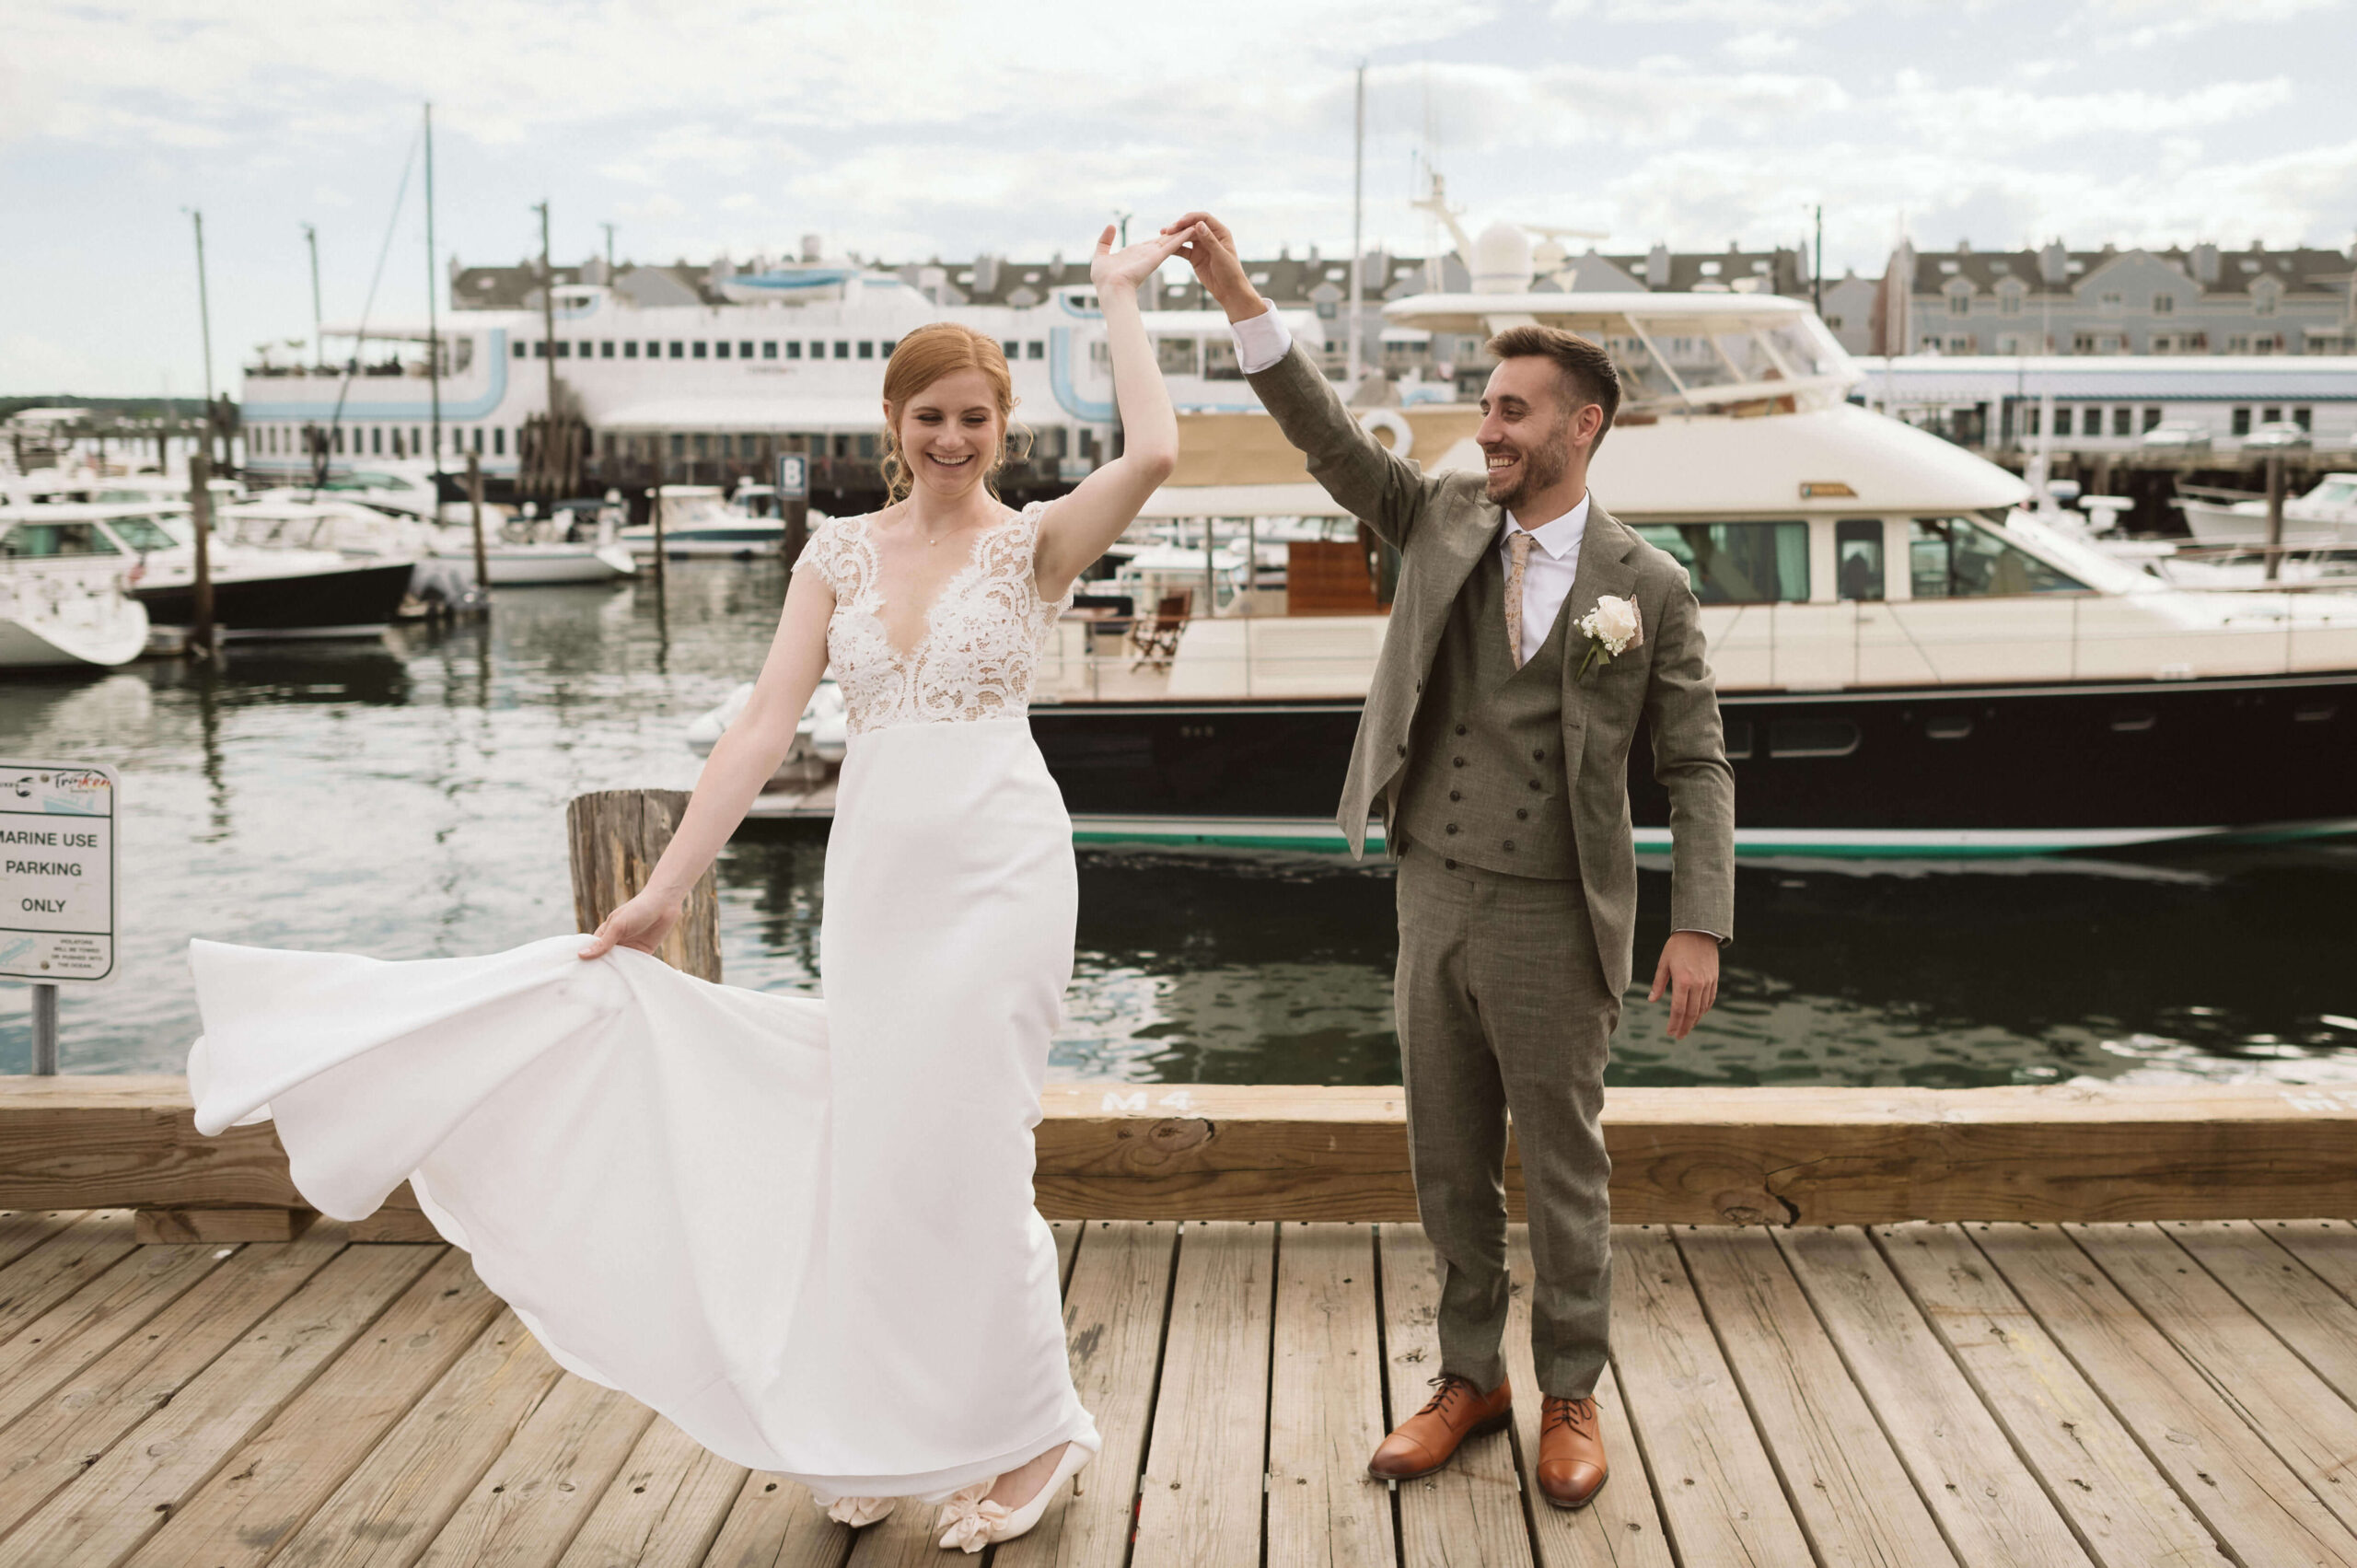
x=1993, y=117
x=1760, y=48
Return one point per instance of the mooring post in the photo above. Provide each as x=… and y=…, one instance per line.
x=474, y=518
x=616, y=836
x=2274, y=515
x=200, y=504
x=44, y=1030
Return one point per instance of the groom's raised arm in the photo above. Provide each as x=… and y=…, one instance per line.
x=1383, y=490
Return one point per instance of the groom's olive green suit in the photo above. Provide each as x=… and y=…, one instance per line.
x=1503, y=793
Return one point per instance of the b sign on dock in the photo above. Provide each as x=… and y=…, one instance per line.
x=793, y=477
x=56, y=872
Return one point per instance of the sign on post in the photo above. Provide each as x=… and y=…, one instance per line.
x=793, y=477
x=57, y=910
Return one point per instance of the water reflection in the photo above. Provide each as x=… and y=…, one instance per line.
x=405, y=797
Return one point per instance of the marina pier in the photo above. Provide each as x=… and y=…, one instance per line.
x=2065, y=1380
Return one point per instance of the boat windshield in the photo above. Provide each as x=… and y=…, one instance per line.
x=1959, y=558
x=1670, y=358
x=46, y=541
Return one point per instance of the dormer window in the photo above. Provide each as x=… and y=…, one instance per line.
x=1710, y=269
x=2247, y=265
x=1950, y=269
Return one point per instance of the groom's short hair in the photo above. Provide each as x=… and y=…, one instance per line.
x=1586, y=369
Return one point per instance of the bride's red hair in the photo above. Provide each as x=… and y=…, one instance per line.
x=925, y=356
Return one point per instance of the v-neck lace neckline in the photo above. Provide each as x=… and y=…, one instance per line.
x=950, y=586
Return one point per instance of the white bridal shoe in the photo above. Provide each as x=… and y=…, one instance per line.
x=969, y=1522
x=858, y=1512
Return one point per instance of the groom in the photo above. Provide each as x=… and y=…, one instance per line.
x=1529, y=634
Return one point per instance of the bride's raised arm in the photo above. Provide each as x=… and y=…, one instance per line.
x=1079, y=527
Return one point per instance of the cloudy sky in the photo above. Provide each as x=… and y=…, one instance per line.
x=909, y=128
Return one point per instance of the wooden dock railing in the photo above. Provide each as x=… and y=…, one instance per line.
x=1216, y=1151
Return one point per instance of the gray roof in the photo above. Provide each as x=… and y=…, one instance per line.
x=2304, y=271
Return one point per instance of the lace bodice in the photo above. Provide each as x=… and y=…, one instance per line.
x=981, y=635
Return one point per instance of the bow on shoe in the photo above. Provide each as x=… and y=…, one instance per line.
x=858, y=1512
x=967, y=1519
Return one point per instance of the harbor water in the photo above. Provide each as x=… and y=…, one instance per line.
x=404, y=797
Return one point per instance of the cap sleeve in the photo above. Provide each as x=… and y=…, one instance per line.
x=824, y=554
x=1033, y=517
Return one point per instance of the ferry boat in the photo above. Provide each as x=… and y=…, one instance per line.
x=1909, y=663
x=790, y=360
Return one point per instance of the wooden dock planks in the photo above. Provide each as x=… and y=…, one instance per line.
x=1326, y=1403
x=1926, y=1394
x=1852, y=1496
x=1991, y=1507
x=1200, y=1497
x=2223, y=1469
x=2122, y=1510
x=286, y=1470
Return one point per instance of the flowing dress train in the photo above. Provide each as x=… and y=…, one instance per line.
x=801, y=1229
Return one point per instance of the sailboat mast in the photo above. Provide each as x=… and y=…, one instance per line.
x=1358, y=202
x=433, y=320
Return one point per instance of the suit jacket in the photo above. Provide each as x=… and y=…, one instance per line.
x=1440, y=524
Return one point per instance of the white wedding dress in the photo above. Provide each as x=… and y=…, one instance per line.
x=802, y=1229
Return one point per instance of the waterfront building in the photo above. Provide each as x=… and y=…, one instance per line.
x=2182, y=300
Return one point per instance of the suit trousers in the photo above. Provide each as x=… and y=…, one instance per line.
x=1503, y=1007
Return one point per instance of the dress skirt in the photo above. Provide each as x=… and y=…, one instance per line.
x=801, y=1229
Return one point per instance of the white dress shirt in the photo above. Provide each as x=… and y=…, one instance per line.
x=1546, y=576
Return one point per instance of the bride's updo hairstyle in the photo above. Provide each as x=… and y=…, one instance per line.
x=925, y=356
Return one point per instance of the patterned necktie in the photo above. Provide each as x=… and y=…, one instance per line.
x=1519, y=548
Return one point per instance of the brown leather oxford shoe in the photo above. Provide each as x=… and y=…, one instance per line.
x=1571, y=1452
x=1429, y=1439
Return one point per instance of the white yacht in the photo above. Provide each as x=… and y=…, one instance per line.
x=257, y=592
x=64, y=601
x=699, y=521
x=2325, y=519
x=1908, y=663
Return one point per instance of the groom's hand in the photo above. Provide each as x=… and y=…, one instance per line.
x=1688, y=971
x=1211, y=250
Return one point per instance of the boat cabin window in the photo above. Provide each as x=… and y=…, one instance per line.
x=1857, y=558
x=1957, y=558
x=29, y=541
x=2335, y=493
x=1738, y=563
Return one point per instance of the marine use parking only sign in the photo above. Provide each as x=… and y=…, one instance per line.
x=57, y=908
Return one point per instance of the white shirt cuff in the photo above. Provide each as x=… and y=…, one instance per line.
x=1260, y=340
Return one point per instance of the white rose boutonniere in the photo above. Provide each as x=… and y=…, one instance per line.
x=1612, y=628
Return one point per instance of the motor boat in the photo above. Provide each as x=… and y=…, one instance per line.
x=2325, y=519
x=1909, y=663
x=281, y=592
x=577, y=542
x=63, y=603
x=820, y=739
x=699, y=522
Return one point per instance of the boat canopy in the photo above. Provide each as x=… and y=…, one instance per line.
x=1732, y=353
x=1304, y=500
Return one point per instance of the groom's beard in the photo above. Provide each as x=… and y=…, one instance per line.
x=1541, y=467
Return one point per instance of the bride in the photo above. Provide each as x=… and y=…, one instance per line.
x=803, y=1230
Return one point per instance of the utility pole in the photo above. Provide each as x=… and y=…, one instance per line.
x=609, y=251
x=204, y=320
x=318, y=342
x=1358, y=203
x=548, y=342
x=433, y=320
x=1817, y=282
